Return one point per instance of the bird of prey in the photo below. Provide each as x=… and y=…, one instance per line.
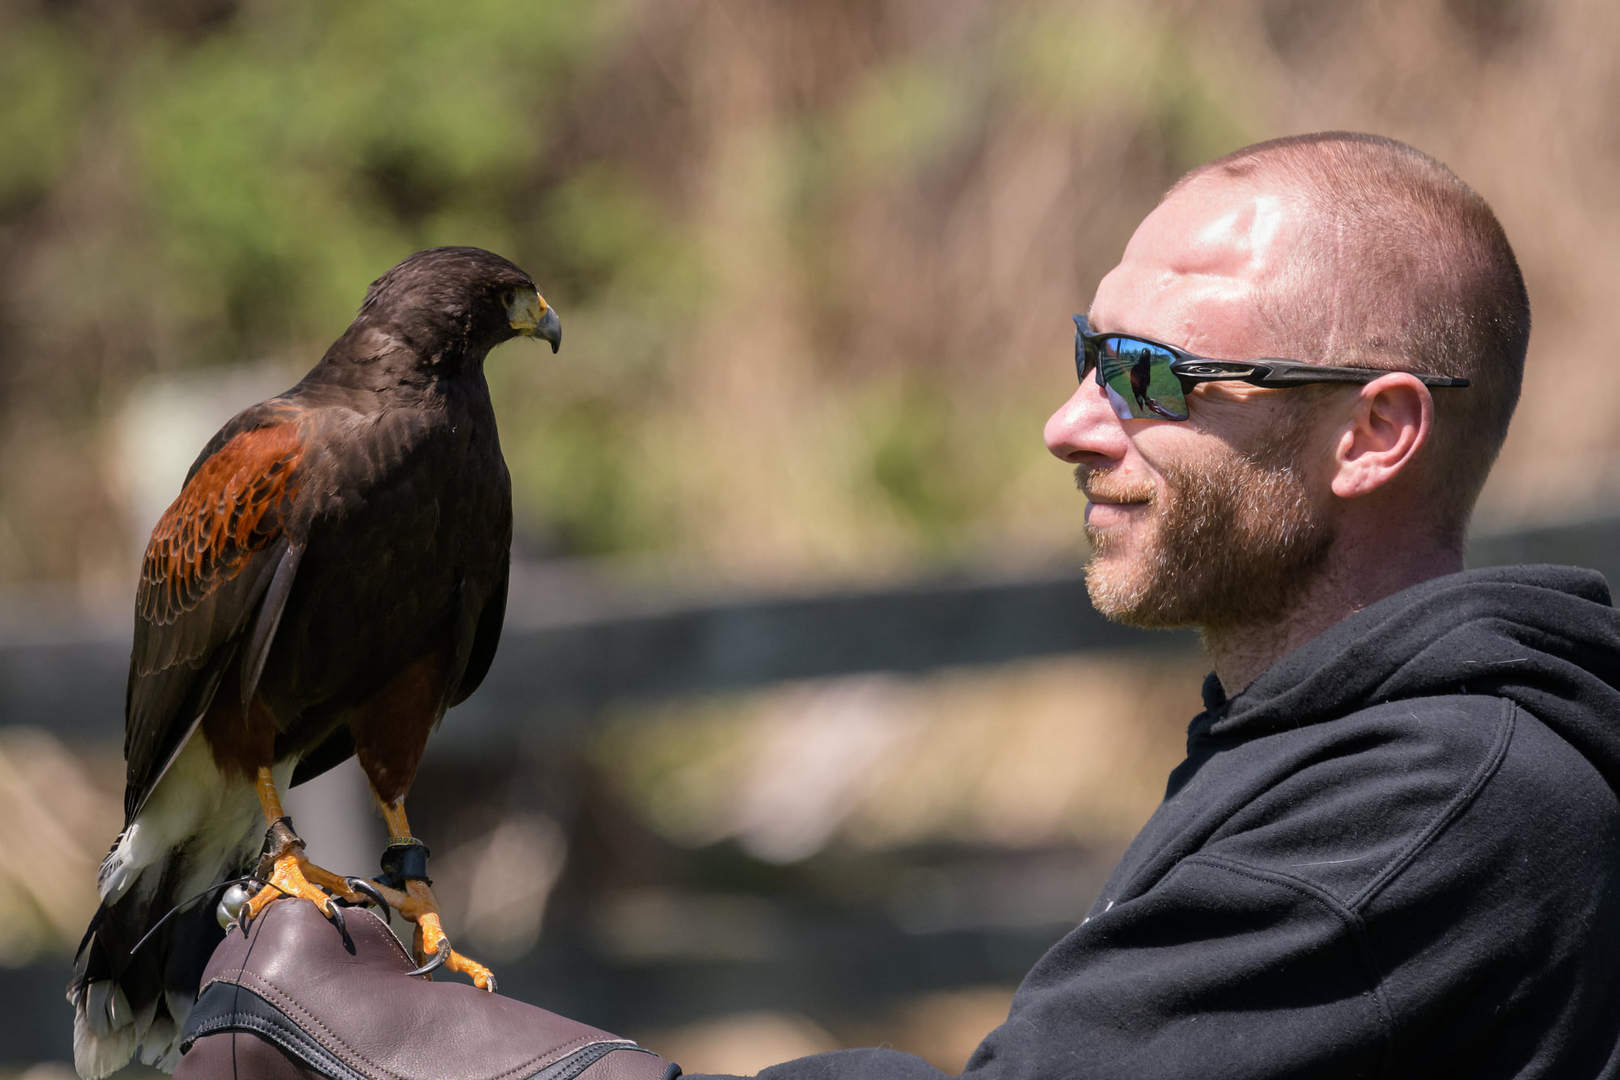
x=331, y=578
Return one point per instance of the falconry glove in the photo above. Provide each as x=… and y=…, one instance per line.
x=298, y=998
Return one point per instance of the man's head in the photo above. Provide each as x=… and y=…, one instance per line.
x=1335, y=249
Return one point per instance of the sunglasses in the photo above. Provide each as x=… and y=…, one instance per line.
x=1149, y=380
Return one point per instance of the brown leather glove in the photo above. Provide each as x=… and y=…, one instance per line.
x=292, y=1000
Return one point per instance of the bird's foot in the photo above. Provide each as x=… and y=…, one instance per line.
x=287, y=872
x=430, y=944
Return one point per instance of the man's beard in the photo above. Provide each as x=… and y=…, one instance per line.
x=1231, y=543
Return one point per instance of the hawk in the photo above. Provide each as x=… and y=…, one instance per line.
x=331, y=579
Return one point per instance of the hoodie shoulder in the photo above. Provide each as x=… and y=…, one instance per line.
x=1345, y=805
x=1543, y=637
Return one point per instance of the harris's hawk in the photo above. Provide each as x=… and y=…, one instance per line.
x=331, y=578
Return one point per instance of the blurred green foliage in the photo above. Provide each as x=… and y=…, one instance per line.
x=814, y=263
x=1133, y=59
x=904, y=115
x=41, y=94
x=282, y=155
x=307, y=146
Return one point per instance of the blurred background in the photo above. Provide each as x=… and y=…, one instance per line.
x=816, y=261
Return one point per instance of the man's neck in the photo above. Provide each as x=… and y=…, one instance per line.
x=1240, y=654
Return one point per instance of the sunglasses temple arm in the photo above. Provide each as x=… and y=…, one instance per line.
x=1309, y=376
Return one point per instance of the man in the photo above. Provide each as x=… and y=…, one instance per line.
x=1394, y=846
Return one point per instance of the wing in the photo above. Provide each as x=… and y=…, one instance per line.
x=485, y=638
x=216, y=553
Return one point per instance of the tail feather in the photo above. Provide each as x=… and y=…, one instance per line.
x=199, y=827
x=125, y=1000
x=98, y=1055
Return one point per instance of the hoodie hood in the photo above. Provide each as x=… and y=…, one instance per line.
x=1545, y=637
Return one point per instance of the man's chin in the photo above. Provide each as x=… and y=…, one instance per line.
x=1116, y=544
x=1120, y=593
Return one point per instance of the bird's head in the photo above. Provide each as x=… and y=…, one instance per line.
x=456, y=302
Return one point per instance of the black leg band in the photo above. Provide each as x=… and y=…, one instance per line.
x=405, y=862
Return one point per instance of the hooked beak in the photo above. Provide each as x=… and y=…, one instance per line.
x=531, y=316
x=550, y=328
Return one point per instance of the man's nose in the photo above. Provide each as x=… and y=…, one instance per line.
x=1085, y=430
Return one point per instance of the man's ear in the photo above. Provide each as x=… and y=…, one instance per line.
x=1390, y=421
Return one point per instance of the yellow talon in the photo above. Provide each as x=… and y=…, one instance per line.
x=417, y=904
x=291, y=876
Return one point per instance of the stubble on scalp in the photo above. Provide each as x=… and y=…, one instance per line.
x=1236, y=540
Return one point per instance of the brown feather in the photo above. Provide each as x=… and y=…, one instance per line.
x=391, y=727
x=230, y=508
x=240, y=737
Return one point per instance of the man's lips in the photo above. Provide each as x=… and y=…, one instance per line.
x=1101, y=512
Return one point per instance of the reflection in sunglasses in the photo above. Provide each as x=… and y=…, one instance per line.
x=1139, y=382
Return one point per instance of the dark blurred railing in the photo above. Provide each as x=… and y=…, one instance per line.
x=576, y=640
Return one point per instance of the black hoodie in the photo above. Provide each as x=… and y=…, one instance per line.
x=1396, y=853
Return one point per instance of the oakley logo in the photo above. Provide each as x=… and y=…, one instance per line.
x=1235, y=371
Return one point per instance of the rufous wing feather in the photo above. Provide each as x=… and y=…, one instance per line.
x=210, y=562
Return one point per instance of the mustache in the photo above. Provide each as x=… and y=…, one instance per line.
x=1103, y=485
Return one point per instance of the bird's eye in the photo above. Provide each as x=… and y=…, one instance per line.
x=508, y=296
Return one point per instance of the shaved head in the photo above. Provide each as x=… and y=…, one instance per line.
x=1398, y=265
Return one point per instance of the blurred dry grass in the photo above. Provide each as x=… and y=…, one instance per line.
x=942, y=1029
x=1030, y=754
x=742, y=1044
x=61, y=811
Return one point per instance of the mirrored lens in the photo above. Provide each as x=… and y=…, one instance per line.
x=1138, y=379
